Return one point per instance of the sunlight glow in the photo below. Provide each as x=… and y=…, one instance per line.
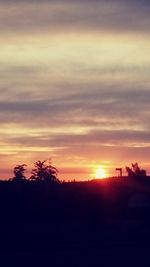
x=101, y=173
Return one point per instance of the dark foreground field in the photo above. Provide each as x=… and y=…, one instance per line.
x=98, y=223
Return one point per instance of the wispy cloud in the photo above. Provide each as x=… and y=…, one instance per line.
x=25, y=16
x=74, y=82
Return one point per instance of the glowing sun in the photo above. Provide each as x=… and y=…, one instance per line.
x=100, y=172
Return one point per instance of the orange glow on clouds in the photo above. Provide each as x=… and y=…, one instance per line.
x=76, y=90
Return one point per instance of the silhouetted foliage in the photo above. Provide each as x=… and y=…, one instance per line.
x=19, y=171
x=130, y=172
x=135, y=171
x=44, y=171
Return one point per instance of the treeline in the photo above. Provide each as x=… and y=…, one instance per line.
x=42, y=171
x=45, y=171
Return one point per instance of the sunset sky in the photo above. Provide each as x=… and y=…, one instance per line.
x=75, y=85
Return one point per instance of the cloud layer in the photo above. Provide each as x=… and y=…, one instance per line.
x=74, y=83
x=114, y=15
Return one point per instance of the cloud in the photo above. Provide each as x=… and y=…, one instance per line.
x=91, y=116
x=52, y=16
x=74, y=81
x=105, y=106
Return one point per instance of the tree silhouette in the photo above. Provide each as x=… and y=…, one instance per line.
x=135, y=171
x=19, y=171
x=138, y=171
x=44, y=171
x=130, y=172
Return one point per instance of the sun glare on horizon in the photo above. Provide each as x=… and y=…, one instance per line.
x=101, y=173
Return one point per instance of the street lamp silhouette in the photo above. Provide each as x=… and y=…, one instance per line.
x=119, y=170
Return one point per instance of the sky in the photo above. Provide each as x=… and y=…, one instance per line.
x=74, y=85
